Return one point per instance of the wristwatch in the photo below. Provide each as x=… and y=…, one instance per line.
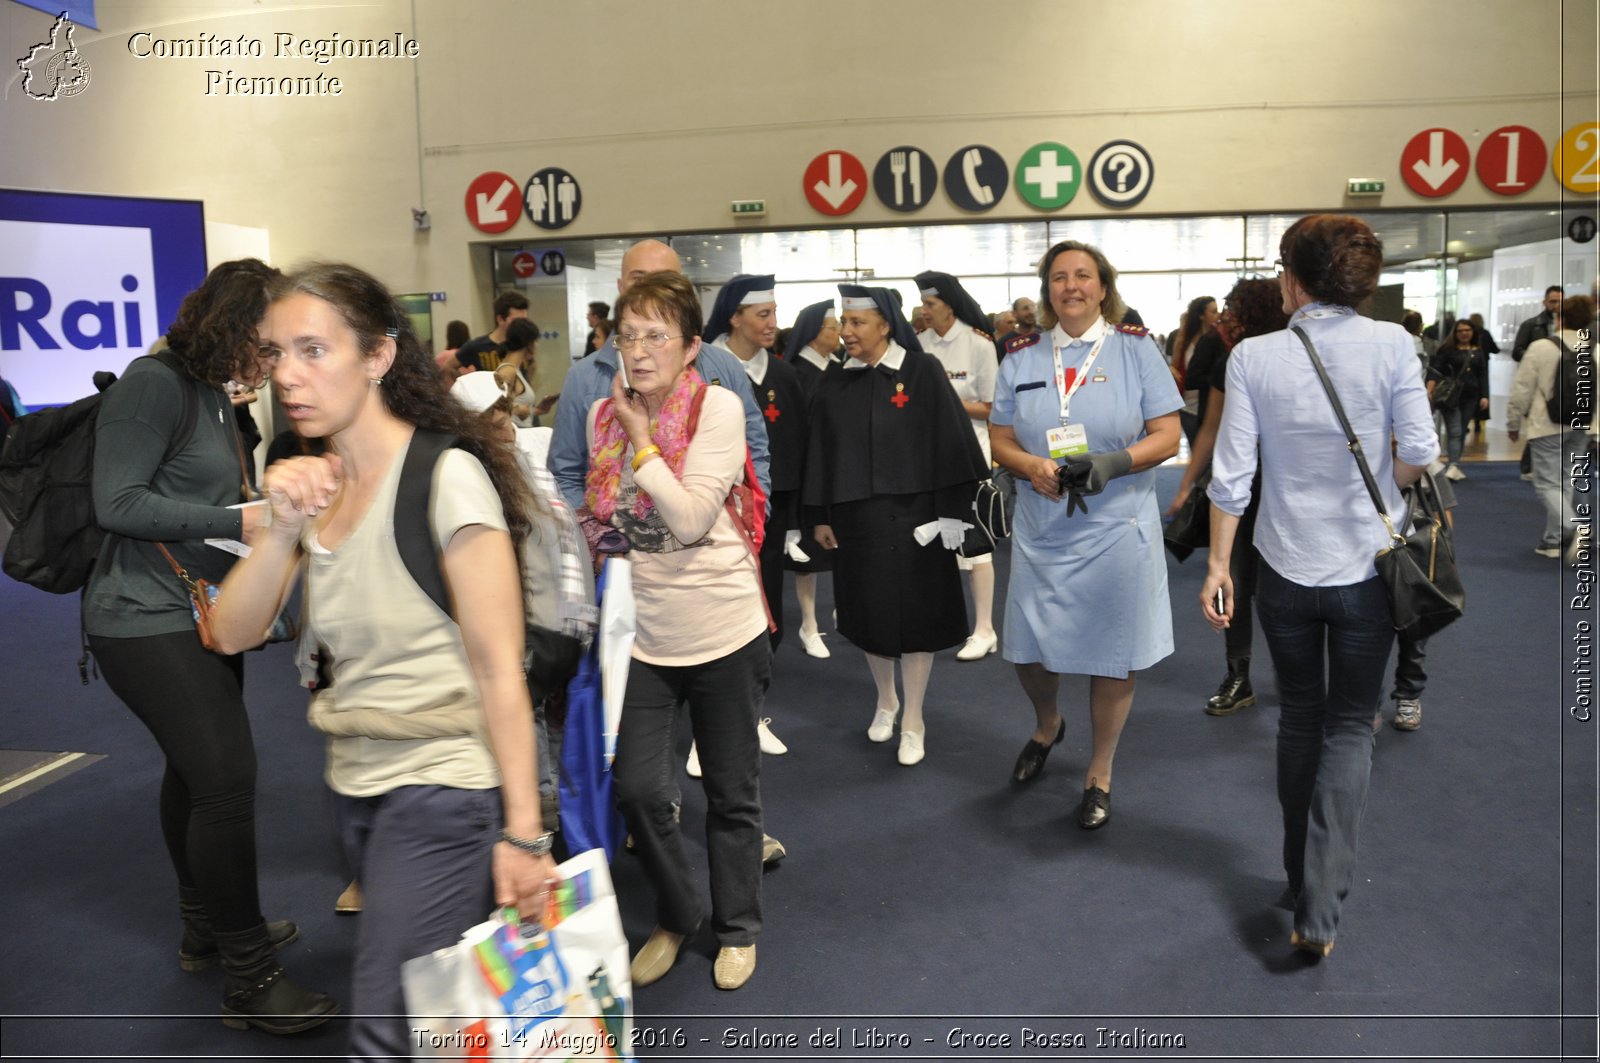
x=539, y=846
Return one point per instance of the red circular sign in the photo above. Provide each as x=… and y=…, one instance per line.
x=1512, y=160
x=494, y=202
x=835, y=182
x=1435, y=162
x=523, y=264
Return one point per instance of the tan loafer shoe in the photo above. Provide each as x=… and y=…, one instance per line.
x=660, y=952
x=350, y=901
x=734, y=966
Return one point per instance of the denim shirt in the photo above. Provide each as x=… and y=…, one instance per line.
x=589, y=381
x=1317, y=525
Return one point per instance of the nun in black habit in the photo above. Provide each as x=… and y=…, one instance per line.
x=891, y=468
x=810, y=351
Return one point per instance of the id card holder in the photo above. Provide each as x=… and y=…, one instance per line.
x=1068, y=441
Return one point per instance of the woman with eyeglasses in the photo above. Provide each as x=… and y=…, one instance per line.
x=665, y=450
x=1319, y=600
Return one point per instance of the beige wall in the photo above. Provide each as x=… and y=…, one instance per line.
x=667, y=111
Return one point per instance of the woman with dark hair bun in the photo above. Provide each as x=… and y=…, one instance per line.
x=1255, y=308
x=1199, y=322
x=431, y=749
x=1321, y=603
x=160, y=497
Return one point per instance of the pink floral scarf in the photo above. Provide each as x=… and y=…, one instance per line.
x=670, y=432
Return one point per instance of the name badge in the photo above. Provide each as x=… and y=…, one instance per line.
x=1067, y=441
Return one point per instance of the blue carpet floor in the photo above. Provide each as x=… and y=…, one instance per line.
x=933, y=911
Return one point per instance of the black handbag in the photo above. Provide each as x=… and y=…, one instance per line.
x=1447, y=390
x=1418, y=568
x=991, y=522
x=1190, y=528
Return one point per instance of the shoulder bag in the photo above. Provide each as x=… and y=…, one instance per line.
x=1418, y=568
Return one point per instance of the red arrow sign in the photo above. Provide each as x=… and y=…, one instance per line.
x=1435, y=162
x=523, y=264
x=493, y=202
x=1512, y=160
x=835, y=182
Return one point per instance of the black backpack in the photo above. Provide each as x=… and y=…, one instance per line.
x=1564, y=405
x=47, y=489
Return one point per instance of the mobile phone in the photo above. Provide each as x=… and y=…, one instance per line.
x=1218, y=605
x=622, y=367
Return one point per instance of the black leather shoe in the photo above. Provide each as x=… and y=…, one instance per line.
x=1234, y=693
x=1095, y=811
x=1031, y=760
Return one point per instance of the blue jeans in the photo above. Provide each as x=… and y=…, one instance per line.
x=1330, y=648
x=1455, y=430
x=1552, y=458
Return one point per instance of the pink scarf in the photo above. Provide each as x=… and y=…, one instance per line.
x=670, y=432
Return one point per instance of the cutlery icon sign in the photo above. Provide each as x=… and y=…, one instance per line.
x=916, y=178
x=897, y=166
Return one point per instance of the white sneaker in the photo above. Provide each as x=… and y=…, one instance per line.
x=882, y=728
x=1408, y=714
x=1454, y=473
x=911, y=751
x=811, y=642
x=1547, y=551
x=978, y=647
x=693, y=767
x=769, y=741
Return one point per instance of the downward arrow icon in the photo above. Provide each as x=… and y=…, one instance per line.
x=837, y=189
x=1437, y=170
x=490, y=210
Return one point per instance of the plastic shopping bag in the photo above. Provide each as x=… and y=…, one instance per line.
x=505, y=992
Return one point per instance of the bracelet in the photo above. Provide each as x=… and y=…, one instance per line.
x=539, y=846
x=644, y=455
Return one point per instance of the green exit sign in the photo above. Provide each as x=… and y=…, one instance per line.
x=749, y=206
x=1355, y=187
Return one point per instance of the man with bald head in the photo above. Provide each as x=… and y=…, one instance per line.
x=589, y=380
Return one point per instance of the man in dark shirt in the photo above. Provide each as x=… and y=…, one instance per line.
x=1027, y=323
x=1539, y=326
x=598, y=314
x=508, y=306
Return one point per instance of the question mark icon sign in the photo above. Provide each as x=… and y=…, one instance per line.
x=1120, y=174
x=1122, y=164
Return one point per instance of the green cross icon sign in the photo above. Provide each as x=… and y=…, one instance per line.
x=1048, y=175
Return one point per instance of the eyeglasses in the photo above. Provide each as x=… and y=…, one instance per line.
x=651, y=341
x=1277, y=266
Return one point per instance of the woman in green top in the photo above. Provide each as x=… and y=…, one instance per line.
x=142, y=631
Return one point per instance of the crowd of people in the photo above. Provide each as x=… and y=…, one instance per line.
x=719, y=457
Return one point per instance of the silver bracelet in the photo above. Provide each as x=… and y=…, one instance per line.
x=539, y=846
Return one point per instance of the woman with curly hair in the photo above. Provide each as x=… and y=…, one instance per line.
x=1321, y=603
x=431, y=747
x=1255, y=308
x=155, y=495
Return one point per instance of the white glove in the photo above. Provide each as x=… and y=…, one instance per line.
x=926, y=533
x=791, y=546
x=952, y=532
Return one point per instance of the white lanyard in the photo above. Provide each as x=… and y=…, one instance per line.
x=1065, y=392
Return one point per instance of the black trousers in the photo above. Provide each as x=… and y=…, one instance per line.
x=192, y=702
x=724, y=697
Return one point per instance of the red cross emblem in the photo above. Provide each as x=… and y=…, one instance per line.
x=900, y=398
x=772, y=413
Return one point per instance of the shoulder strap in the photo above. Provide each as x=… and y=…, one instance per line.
x=1351, y=441
x=413, y=533
x=191, y=405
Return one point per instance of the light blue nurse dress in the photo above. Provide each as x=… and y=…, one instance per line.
x=1088, y=593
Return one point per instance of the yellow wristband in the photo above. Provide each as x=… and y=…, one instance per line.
x=644, y=455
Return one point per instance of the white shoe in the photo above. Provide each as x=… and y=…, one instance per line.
x=882, y=728
x=811, y=642
x=1454, y=473
x=769, y=741
x=978, y=647
x=911, y=751
x=693, y=767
